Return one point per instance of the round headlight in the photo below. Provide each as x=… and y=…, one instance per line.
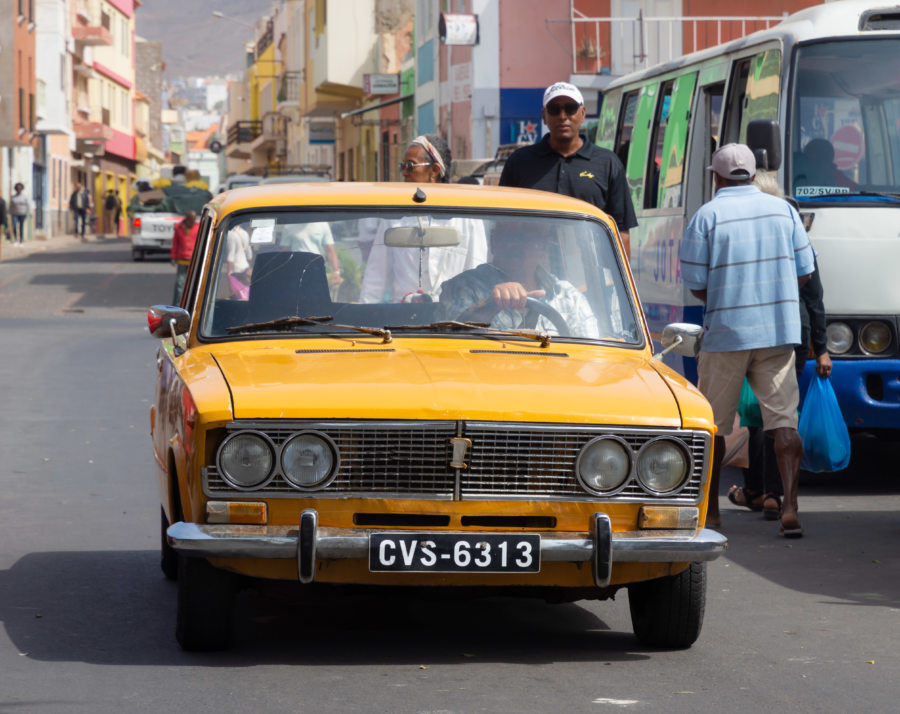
x=245, y=460
x=875, y=337
x=838, y=337
x=308, y=460
x=604, y=464
x=662, y=465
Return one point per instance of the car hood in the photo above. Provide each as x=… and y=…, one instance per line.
x=473, y=380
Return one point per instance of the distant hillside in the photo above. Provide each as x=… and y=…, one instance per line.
x=194, y=42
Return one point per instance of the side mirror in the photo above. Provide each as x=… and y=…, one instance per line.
x=681, y=337
x=168, y=321
x=764, y=140
x=421, y=237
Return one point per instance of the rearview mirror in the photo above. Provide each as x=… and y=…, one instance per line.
x=681, y=337
x=764, y=140
x=421, y=237
x=168, y=321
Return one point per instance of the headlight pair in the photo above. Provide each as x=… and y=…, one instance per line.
x=874, y=337
x=308, y=460
x=661, y=466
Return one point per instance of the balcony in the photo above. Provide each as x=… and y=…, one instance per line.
x=240, y=135
x=91, y=136
x=272, y=138
x=91, y=36
x=289, y=84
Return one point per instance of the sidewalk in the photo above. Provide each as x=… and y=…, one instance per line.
x=12, y=251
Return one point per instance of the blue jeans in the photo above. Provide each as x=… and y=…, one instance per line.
x=18, y=228
x=180, y=276
x=80, y=213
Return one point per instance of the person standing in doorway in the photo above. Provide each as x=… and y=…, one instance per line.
x=565, y=162
x=109, y=213
x=80, y=205
x=183, y=239
x=745, y=255
x=19, y=208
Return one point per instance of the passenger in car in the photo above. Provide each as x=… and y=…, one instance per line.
x=496, y=292
x=405, y=274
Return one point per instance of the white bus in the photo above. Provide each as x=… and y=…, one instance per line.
x=827, y=81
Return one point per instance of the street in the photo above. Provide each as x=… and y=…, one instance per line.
x=88, y=618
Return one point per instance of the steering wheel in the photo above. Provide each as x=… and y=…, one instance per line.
x=532, y=304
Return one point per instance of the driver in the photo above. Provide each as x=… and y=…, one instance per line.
x=496, y=292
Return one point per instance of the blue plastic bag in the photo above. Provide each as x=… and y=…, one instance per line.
x=826, y=441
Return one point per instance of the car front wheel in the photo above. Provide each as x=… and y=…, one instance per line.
x=205, y=604
x=668, y=612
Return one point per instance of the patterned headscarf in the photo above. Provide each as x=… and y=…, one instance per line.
x=433, y=153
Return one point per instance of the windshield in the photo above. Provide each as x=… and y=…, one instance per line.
x=845, y=129
x=417, y=273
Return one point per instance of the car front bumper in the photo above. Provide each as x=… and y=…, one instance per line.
x=309, y=541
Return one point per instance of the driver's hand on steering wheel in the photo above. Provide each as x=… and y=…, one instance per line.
x=511, y=296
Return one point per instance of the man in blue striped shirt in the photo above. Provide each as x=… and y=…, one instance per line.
x=745, y=254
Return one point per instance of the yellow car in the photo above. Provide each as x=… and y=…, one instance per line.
x=426, y=386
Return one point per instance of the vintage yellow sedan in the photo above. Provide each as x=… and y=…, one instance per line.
x=424, y=386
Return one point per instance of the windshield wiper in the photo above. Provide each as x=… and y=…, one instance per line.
x=542, y=337
x=322, y=321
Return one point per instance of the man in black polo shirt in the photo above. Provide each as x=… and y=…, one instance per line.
x=564, y=162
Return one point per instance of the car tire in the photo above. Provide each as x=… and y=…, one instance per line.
x=137, y=255
x=205, y=605
x=169, y=559
x=668, y=612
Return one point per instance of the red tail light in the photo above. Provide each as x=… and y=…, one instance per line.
x=137, y=222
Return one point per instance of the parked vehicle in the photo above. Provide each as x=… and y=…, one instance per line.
x=428, y=438
x=825, y=83
x=239, y=181
x=154, y=214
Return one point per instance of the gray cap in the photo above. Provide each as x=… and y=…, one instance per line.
x=734, y=161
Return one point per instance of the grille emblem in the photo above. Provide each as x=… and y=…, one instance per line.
x=460, y=447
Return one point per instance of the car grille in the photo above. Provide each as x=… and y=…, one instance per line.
x=505, y=461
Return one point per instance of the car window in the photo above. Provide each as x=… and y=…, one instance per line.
x=414, y=270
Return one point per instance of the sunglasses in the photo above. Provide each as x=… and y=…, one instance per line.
x=571, y=108
x=410, y=165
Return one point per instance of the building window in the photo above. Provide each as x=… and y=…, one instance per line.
x=21, y=107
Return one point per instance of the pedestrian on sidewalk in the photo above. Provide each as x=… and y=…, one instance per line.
x=745, y=255
x=4, y=220
x=19, y=208
x=80, y=205
x=183, y=239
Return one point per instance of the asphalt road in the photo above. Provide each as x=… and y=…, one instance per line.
x=88, y=620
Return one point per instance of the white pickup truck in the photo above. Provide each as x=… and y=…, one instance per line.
x=152, y=233
x=155, y=213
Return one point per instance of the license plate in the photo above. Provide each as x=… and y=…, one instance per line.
x=455, y=552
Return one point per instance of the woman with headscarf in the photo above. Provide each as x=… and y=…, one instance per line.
x=406, y=274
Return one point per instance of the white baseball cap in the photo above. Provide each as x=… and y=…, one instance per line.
x=734, y=161
x=562, y=89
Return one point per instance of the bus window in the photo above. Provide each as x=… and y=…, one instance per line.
x=654, y=165
x=636, y=160
x=675, y=141
x=753, y=94
x=609, y=112
x=626, y=126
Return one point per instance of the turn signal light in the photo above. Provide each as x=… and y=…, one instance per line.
x=668, y=518
x=236, y=512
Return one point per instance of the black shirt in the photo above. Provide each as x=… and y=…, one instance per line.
x=592, y=174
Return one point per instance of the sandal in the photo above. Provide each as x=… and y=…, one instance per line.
x=771, y=513
x=740, y=496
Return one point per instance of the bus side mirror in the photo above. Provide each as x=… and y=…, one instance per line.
x=764, y=140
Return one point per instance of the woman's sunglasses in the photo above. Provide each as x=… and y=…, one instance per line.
x=571, y=108
x=410, y=165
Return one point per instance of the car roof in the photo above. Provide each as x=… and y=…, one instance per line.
x=398, y=195
x=295, y=178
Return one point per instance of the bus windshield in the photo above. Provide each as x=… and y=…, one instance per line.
x=844, y=142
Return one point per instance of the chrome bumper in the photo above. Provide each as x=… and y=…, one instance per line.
x=308, y=542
